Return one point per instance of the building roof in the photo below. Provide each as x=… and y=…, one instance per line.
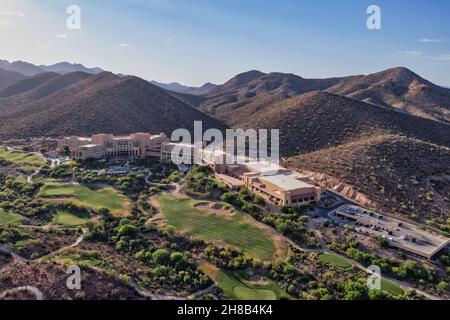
x=91, y=146
x=264, y=167
x=285, y=182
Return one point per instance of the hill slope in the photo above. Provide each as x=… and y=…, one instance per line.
x=101, y=103
x=319, y=120
x=8, y=78
x=401, y=175
x=399, y=88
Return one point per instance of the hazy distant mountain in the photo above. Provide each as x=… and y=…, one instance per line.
x=22, y=67
x=30, y=69
x=8, y=78
x=65, y=67
x=82, y=104
x=176, y=87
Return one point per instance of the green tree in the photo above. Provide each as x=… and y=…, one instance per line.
x=161, y=256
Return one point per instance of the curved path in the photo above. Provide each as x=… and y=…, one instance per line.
x=33, y=290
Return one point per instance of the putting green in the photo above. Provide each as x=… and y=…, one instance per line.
x=21, y=157
x=80, y=195
x=234, y=230
x=334, y=260
x=391, y=287
x=69, y=219
x=236, y=287
x=9, y=217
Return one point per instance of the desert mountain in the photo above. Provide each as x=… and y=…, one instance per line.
x=179, y=88
x=397, y=88
x=29, y=69
x=317, y=120
x=399, y=174
x=8, y=78
x=81, y=104
x=65, y=67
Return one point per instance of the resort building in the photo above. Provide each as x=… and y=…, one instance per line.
x=136, y=145
x=186, y=152
x=270, y=181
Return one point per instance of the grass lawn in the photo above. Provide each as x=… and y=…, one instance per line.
x=69, y=219
x=80, y=195
x=21, y=157
x=79, y=259
x=236, y=287
x=232, y=230
x=391, y=287
x=9, y=217
x=334, y=260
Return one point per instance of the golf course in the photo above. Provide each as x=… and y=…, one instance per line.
x=79, y=195
x=236, y=287
x=9, y=217
x=334, y=260
x=20, y=157
x=70, y=219
x=234, y=230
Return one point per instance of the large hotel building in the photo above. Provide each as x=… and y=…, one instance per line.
x=272, y=182
x=136, y=145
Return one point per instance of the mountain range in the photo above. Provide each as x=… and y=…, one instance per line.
x=179, y=88
x=29, y=69
x=385, y=135
x=397, y=88
x=78, y=103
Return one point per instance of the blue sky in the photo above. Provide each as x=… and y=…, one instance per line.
x=195, y=41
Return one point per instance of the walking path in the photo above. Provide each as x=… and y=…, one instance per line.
x=34, y=290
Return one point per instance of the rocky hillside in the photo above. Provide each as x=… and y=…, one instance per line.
x=320, y=120
x=81, y=104
x=402, y=175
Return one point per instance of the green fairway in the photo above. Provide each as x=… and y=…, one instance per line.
x=391, y=287
x=334, y=260
x=80, y=195
x=69, y=219
x=9, y=217
x=236, y=287
x=233, y=230
x=20, y=157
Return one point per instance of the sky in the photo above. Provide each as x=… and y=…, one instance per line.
x=198, y=41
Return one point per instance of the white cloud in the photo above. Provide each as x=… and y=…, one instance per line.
x=12, y=13
x=169, y=40
x=43, y=46
x=411, y=52
x=64, y=36
x=125, y=45
x=442, y=57
x=428, y=40
x=6, y=23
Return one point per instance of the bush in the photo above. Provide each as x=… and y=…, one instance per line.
x=161, y=256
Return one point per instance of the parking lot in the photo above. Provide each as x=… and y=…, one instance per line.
x=398, y=234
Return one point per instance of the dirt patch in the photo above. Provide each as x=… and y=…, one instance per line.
x=215, y=208
x=257, y=279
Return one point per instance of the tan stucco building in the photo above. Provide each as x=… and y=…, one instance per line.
x=136, y=145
